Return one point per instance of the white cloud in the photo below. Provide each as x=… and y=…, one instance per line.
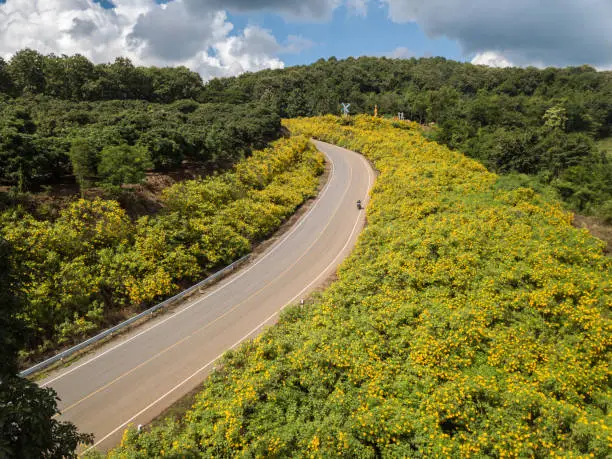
x=359, y=7
x=172, y=34
x=546, y=32
x=298, y=10
x=147, y=33
x=250, y=51
x=61, y=27
x=400, y=53
x=491, y=59
x=402, y=11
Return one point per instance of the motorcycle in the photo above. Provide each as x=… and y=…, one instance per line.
x=359, y=206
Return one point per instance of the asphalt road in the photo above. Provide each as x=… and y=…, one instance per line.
x=133, y=379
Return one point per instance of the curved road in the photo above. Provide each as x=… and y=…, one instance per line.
x=133, y=379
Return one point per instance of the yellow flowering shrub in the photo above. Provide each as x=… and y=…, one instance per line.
x=470, y=321
x=152, y=285
x=93, y=258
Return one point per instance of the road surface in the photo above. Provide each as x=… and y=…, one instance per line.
x=133, y=379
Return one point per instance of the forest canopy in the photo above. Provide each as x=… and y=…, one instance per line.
x=76, y=78
x=540, y=122
x=45, y=140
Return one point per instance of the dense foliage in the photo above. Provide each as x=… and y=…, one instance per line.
x=27, y=424
x=472, y=320
x=538, y=122
x=76, y=78
x=92, y=260
x=517, y=120
x=44, y=140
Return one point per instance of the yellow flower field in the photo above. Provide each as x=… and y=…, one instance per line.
x=471, y=320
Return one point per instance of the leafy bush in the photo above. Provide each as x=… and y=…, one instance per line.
x=124, y=164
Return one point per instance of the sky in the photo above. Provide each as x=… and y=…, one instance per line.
x=228, y=37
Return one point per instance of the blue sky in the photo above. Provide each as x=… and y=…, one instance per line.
x=227, y=37
x=349, y=34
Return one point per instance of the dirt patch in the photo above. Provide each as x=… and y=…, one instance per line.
x=46, y=202
x=597, y=228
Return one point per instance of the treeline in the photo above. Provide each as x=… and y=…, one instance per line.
x=428, y=90
x=75, y=274
x=543, y=123
x=514, y=120
x=472, y=320
x=45, y=140
x=76, y=78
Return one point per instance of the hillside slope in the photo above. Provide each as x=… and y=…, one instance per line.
x=525, y=120
x=78, y=273
x=471, y=320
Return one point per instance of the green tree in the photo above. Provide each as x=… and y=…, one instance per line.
x=79, y=71
x=27, y=424
x=558, y=151
x=296, y=104
x=441, y=103
x=166, y=153
x=83, y=158
x=6, y=85
x=170, y=84
x=17, y=150
x=55, y=77
x=512, y=150
x=125, y=81
x=124, y=164
x=27, y=70
x=10, y=329
x=555, y=118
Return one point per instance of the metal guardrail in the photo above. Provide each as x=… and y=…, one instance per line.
x=68, y=352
